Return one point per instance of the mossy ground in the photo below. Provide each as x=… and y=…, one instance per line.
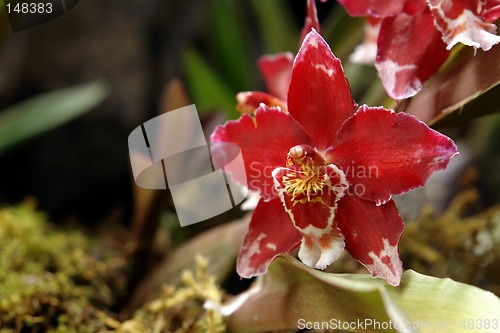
x=53, y=280
x=63, y=280
x=462, y=243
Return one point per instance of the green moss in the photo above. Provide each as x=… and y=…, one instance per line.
x=52, y=280
x=181, y=309
x=55, y=280
x=461, y=243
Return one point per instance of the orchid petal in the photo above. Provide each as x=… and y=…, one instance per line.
x=264, y=141
x=403, y=67
x=277, y=70
x=319, y=97
x=462, y=22
x=491, y=10
x=382, y=8
x=383, y=153
x=249, y=101
x=372, y=235
x=270, y=233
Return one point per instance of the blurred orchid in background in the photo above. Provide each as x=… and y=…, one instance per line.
x=414, y=37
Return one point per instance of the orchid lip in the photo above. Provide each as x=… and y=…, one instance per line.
x=306, y=187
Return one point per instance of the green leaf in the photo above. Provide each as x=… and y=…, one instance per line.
x=206, y=88
x=361, y=78
x=230, y=41
x=44, y=112
x=277, y=28
x=466, y=88
x=292, y=294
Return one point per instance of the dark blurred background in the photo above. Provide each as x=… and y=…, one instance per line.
x=81, y=169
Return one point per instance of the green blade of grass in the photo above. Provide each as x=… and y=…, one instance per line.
x=277, y=28
x=206, y=88
x=41, y=113
x=230, y=43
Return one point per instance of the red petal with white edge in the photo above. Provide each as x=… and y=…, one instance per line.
x=322, y=242
x=277, y=70
x=312, y=21
x=319, y=97
x=383, y=153
x=410, y=50
x=249, y=101
x=462, y=22
x=372, y=235
x=264, y=141
x=270, y=233
x=382, y=8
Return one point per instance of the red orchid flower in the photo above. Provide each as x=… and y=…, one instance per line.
x=415, y=36
x=325, y=173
